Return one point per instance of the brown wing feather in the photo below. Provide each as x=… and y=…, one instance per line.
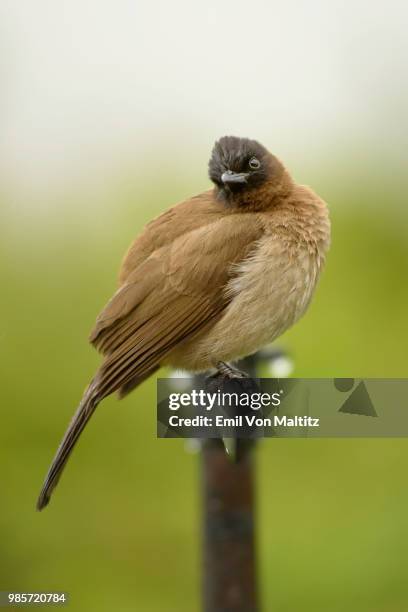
x=196, y=264
x=172, y=294
x=151, y=342
x=167, y=227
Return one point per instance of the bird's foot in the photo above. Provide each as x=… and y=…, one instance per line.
x=229, y=379
x=228, y=371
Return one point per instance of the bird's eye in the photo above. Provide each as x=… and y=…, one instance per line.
x=254, y=163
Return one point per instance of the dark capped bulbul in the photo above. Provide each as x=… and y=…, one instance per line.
x=210, y=280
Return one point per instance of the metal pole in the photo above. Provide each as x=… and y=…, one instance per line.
x=229, y=556
x=229, y=531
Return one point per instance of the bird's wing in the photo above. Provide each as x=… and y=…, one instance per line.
x=178, y=290
x=175, y=291
x=167, y=227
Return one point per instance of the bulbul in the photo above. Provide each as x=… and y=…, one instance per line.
x=210, y=280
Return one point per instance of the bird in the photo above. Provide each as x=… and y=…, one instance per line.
x=210, y=280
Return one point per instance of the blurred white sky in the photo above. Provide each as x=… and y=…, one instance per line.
x=87, y=84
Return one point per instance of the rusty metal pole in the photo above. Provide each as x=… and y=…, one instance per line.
x=230, y=581
x=229, y=556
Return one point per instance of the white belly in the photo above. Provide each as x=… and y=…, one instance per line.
x=270, y=293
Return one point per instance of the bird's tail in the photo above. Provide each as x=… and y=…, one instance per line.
x=86, y=408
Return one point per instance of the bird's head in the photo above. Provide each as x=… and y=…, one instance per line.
x=244, y=172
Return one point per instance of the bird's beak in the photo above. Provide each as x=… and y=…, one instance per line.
x=229, y=177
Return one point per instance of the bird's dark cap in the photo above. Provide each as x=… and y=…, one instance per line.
x=238, y=164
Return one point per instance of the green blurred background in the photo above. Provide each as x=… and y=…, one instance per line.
x=123, y=530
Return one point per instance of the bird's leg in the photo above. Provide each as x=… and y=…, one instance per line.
x=228, y=371
x=229, y=379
